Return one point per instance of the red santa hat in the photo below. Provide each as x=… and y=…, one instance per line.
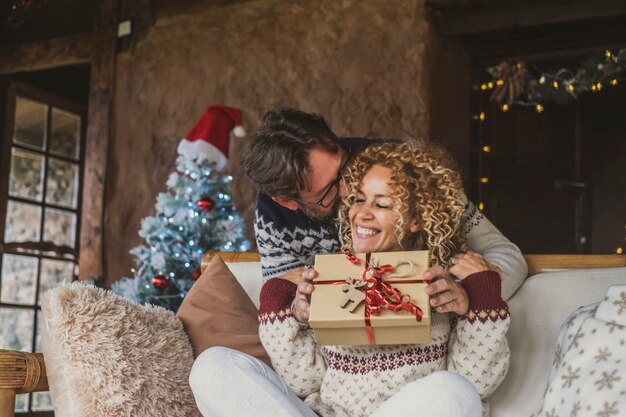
x=211, y=134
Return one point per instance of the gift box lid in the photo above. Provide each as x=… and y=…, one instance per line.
x=334, y=270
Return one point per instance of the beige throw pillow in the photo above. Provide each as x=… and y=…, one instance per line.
x=106, y=356
x=218, y=312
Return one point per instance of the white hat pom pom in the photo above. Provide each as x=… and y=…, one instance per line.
x=239, y=132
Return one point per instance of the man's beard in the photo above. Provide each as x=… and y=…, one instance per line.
x=320, y=214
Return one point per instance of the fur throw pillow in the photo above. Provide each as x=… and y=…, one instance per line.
x=106, y=356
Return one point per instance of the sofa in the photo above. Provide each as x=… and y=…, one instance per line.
x=557, y=285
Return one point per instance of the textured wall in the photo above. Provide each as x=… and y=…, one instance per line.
x=363, y=64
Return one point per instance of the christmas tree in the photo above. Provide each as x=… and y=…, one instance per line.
x=195, y=215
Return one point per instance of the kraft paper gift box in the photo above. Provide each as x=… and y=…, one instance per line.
x=337, y=325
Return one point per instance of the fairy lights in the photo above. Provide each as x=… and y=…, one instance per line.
x=518, y=83
x=521, y=84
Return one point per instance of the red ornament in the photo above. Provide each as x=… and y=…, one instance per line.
x=206, y=204
x=195, y=274
x=160, y=282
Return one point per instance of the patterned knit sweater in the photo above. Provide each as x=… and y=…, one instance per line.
x=354, y=381
x=288, y=239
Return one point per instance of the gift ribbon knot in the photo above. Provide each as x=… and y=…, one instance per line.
x=379, y=293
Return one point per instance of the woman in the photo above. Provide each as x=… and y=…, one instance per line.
x=398, y=198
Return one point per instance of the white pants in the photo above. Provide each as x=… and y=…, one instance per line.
x=227, y=382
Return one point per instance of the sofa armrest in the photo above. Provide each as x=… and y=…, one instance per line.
x=20, y=373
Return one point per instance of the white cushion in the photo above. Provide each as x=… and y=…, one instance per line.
x=538, y=309
x=587, y=377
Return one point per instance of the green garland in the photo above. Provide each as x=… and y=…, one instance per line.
x=514, y=84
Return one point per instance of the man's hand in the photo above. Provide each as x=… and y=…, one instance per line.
x=466, y=264
x=302, y=302
x=446, y=295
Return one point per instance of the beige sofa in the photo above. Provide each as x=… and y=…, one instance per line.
x=538, y=309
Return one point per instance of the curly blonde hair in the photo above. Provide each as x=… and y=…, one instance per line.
x=424, y=186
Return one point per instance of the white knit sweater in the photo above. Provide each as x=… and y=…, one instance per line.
x=355, y=380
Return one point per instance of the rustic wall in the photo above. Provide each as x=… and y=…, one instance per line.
x=362, y=64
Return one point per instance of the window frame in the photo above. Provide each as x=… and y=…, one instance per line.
x=9, y=92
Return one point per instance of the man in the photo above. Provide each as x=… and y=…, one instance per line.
x=298, y=161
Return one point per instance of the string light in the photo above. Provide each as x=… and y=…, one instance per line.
x=515, y=88
x=619, y=250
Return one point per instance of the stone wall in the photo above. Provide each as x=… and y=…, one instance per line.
x=371, y=67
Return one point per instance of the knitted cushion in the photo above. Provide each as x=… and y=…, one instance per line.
x=106, y=356
x=218, y=312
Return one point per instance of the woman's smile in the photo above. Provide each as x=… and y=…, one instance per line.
x=375, y=213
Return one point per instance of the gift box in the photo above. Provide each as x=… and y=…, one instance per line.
x=376, y=298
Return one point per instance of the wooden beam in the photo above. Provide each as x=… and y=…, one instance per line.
x=98, y=137
x=50, y=53
x=524, y=16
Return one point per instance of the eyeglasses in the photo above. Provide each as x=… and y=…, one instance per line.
x=332, y=191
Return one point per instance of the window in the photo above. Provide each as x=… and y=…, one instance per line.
x=41, y=164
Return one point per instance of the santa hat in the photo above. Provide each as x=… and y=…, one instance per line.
x=211, y=134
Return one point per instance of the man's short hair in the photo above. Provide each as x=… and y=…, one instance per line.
x=277, y=157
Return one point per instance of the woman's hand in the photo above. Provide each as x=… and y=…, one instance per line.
x=466, y=264
x=302, y=302
x=446, y=295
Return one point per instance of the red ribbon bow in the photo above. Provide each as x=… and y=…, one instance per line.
x=380, y=294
